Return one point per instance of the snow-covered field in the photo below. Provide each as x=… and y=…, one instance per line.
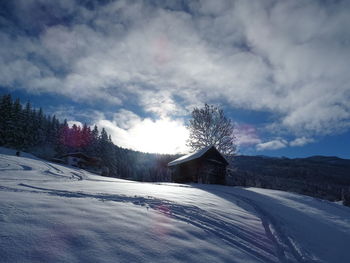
x=53, y=213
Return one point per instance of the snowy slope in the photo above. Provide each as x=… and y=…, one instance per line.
x=54, y=213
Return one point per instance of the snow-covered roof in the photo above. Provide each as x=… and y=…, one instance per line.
x=190, y=157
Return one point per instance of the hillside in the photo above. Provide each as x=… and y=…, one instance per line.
x=54, y=213
x=318, y=176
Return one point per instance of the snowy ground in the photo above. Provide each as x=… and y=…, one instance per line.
x=53, y=213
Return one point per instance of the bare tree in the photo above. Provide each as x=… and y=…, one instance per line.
x=209, y=126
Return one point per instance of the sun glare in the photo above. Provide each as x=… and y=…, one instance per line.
x=153, y=136
x=162, y=136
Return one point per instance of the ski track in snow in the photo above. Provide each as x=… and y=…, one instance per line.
x=52, y=170
x=13, y=166
x=287, y=250
x=285, y=246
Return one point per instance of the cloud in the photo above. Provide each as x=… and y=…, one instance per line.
x=290, y=58
x=72, y=114
x=272, y=145
x=126, y=119
x=246, y=135
x=280, y=143
x=163, y=135
x=301, y=141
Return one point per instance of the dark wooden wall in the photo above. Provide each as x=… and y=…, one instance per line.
x=199, y=171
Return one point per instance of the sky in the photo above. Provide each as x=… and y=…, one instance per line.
x=278, y=69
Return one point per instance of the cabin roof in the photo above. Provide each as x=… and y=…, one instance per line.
x=193, y=156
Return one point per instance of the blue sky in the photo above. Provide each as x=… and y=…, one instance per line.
x=279, y=69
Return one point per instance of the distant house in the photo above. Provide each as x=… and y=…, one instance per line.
x=81, y=160
x=206, y=166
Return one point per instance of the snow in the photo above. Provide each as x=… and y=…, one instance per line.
x=56, y=213
x=190, y=156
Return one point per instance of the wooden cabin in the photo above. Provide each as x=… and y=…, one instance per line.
x=205, y=166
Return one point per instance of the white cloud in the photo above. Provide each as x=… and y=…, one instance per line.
x=126, y=119
x=246, y=135
x=157, y=136
x=290, y=58
x=272, y=145
x=72, y=114
x=301, y=141
x=280, y=143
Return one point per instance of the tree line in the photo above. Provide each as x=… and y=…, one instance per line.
x=317, y=176
x=25, y=128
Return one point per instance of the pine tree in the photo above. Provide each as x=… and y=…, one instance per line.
x=86, y=139
x=55, y=134
x=28, y=127
x=39, y=122
x=93, y=147
x=62, y=146
x=16, y=127
x=5, y=119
